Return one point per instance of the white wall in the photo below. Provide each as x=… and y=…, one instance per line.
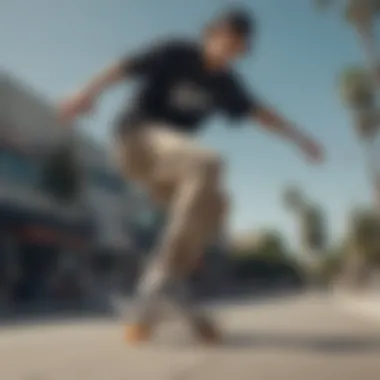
x=31, y=123
x=4, y=101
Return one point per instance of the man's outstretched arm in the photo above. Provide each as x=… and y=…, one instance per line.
x=141, y=64
x=238, y=102
x=272, y=121
x=137, y=65
x=105, y=79
x=83, y=101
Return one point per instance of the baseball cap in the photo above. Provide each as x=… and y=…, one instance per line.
x=240, y=21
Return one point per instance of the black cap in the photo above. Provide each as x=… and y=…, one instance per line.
x=240, y=21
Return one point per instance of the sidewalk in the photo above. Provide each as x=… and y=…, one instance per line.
x=364, y=305
x=300, y=337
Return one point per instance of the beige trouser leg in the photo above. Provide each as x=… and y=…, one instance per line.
x=186, y=178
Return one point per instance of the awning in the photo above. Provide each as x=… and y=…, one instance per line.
x=44, y=228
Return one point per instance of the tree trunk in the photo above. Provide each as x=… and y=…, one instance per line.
x=374, y=171
x=366, y=35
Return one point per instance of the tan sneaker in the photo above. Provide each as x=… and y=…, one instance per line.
x=137, y=333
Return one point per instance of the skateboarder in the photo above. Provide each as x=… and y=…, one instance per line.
x=181, y=83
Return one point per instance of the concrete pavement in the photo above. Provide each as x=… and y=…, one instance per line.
x=304, y=337
x=364, y=305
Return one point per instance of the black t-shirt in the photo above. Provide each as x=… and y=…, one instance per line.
x=178, y=90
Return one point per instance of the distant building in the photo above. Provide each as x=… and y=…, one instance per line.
x=39, y=235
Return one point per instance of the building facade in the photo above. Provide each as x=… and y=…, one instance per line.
x=50, y=245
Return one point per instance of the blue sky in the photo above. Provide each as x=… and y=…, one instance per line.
x=57, y=45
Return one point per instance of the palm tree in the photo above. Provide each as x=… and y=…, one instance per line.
x=311, y=220
x=361, y=14
x=294, y=198
x=366, y=235
x=358, y=93
x=295, y=202
x=365, y=84
x=362, y=248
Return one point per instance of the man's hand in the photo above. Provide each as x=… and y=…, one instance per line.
x=273, y=122
x=311, y=149
x=77, y=105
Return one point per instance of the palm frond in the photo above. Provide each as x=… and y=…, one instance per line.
x=356, y=88
x=324, y=4
x=360, y=12
x=293, y=198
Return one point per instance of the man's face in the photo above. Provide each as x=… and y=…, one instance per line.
x=223, y=44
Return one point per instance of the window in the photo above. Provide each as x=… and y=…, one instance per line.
x=19, y=169
x=108, y=181
x=146, y=219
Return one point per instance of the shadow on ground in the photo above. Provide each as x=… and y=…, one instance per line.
x=331, y=345
x=317, y=343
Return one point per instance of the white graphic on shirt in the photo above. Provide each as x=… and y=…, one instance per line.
x=190, y=97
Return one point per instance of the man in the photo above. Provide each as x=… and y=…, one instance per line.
x=182, y=82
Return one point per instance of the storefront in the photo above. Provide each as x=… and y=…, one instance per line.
x=44, y=259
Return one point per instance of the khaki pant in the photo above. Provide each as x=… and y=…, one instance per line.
x=185, y=177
